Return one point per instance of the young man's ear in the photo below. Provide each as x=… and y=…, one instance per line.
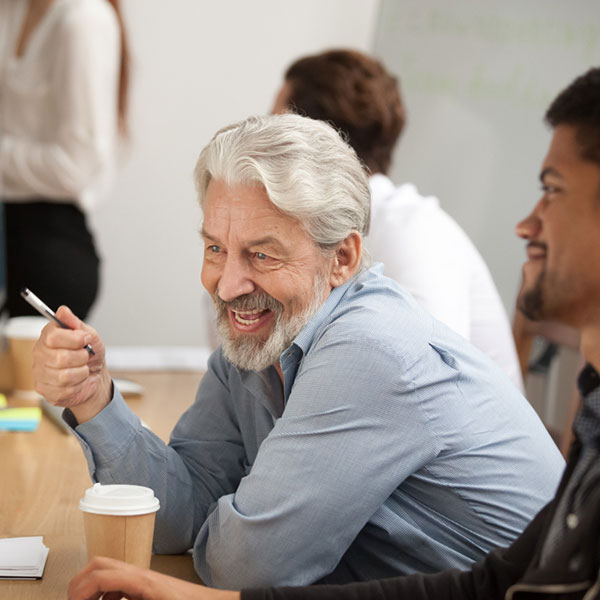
x=346, y=260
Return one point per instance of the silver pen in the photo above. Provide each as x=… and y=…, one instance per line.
x=47, y=312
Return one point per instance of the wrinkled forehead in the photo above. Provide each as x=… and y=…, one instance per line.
x=239, y=201
x=245, y=212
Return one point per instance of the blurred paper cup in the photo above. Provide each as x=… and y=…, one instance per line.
x=22, y=333
x=119, y=522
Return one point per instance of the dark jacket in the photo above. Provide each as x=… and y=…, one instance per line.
x=512, y=573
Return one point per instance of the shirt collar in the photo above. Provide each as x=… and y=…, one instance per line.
x=588, y=380
x=587, y=422
x=291, y=357
x=305, y=337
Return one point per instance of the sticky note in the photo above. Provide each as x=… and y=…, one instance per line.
x=25, y=418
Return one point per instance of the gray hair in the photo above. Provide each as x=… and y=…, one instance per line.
x=306, y=168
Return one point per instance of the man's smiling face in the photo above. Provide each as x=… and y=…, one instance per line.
x=560, y=277
x=265, y=274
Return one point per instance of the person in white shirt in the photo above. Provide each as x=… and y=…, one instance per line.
x=421, y=246
x=63, y=87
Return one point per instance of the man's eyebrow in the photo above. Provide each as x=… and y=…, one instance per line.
x=549, y=171
x=263, y=241
x=206, y=235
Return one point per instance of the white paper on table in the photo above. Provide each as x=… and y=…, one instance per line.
x=22, y=557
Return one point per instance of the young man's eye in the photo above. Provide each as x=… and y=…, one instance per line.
x=549, y=189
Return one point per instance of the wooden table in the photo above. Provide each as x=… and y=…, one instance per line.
x=43, y=474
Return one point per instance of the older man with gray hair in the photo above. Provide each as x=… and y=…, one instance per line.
x=340, y=433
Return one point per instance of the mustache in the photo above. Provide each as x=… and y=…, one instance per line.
x=258, y=301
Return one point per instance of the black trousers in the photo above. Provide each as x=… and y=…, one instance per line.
x=50, y=250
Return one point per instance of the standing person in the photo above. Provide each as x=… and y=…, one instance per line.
x=340, y=432
x=63, y=98
x=421, y=246
x=558, y=554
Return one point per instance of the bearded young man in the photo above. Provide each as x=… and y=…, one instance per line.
x=340, y=433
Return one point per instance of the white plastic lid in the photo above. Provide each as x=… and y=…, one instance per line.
x=119, y=499
x=25, y=328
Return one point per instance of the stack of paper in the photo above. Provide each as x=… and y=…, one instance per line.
x=22, y=558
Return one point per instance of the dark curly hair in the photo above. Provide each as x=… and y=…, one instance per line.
x=356, y=95
x=578, y=105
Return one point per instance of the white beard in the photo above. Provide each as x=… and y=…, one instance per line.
x=249, y=353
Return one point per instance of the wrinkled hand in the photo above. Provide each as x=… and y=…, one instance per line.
x=116, y=579
x=65, y=373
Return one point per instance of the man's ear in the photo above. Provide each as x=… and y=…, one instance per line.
x=346, y=260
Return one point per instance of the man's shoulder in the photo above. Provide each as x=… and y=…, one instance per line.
x=375, y=310
x=377, y=315
x=372, y=289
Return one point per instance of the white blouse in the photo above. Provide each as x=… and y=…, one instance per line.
x=58, y=102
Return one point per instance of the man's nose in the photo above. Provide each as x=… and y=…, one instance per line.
x=235, y=280
x=530, y=226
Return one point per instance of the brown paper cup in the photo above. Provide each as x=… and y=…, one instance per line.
x=119, y=522
x=128, y=538
x=22, y=333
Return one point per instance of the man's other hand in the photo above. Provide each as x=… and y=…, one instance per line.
x=116, y=579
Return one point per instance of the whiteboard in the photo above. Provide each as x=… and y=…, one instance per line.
x=477, y=78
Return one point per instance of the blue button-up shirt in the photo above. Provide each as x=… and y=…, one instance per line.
x=394, y=446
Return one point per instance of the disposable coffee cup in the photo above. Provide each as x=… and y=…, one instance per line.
x=22, y=333
x=119, y=522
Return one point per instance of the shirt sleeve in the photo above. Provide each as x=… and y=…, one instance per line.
x=84, y=83
x=341, y=447
x=488, y=579
x=205, y=464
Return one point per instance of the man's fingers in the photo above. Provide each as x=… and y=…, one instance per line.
x=75, y=324
x=68, y=317
x=64, y=367
x=58, y=338
x=72, y=377
x=108, y=575
x=65, y=358
x=117, y=579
